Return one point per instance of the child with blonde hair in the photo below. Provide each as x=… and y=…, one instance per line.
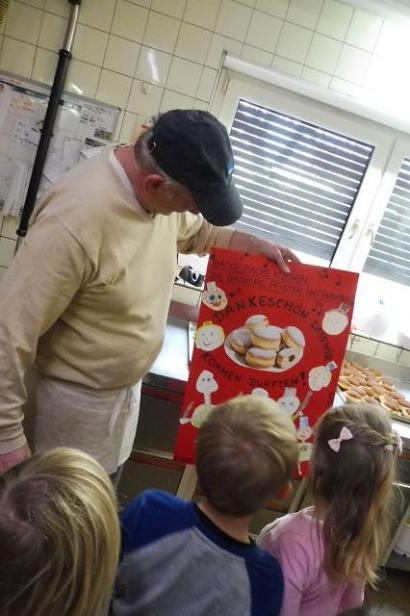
x=184, y=559
x=59, y=536
x=329, y=551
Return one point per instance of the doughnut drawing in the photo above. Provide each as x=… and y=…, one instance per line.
x=264, y=346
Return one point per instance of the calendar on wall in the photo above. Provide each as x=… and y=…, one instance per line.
x=82, y=126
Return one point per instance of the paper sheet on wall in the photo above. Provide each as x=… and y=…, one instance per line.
x=80, y=124
x=270, y=334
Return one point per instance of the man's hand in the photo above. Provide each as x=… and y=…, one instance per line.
x=8, y=460
x=244, y=242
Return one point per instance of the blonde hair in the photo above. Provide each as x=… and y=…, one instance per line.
x=355, y=487
x=246, y=451
x=59, y=536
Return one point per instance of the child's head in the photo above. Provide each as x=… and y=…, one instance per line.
x=246, y=452
x=352, y=472
x=59, y=536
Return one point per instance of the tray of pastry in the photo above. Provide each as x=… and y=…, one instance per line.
x=370, y=385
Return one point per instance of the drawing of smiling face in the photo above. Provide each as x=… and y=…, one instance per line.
x=214, y=297
x=335, y=322
x=305, y=433
x=319, y=378
x=206, y=383
x=209, y=336
x=289, y=402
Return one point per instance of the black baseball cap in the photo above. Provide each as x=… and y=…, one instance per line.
x=193, y=147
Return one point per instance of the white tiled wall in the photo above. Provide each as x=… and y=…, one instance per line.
x=152, y=55
x=176, y=45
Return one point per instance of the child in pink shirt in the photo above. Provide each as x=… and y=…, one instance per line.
x=330, y=551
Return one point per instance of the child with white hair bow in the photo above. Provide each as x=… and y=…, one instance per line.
x=328, y=552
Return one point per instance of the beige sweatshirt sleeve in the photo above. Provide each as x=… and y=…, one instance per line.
x=197, y=235
x=44, y=276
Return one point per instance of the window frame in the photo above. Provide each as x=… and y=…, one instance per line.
x=354, y=244
x=400, y=150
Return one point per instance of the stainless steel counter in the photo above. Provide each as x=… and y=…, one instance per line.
x=170, y=369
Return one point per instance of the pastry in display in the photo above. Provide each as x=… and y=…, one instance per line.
x=356, y=394
x=360, y=384
x=344, y=383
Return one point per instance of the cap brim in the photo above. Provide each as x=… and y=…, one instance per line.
x=221, y=207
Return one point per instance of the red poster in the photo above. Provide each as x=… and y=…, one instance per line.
x=271, y=334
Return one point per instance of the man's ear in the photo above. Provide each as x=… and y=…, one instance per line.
x=285, y=491
x=153, y=182
x=138, y=131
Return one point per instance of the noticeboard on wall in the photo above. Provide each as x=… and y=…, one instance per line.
x=81, y=126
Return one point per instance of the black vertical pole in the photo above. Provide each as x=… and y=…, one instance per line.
x=49, y=120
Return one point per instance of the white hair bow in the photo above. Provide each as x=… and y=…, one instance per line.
x=345, y=435
x=399, y=444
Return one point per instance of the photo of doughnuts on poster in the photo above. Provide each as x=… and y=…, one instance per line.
x=266, y=333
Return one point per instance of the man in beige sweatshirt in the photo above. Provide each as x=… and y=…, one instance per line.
x=87, y=295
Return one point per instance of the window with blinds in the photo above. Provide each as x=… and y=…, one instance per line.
x=298, y=181
x=389, y=256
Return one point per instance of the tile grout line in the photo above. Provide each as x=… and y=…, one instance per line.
x=247, y=29
x=133, y=79
x=204, y=66
x=105, y=51
x=334, y=76
x=173, y=56
x=373, y=52
x=279, y=34
x=312, y=37
x=37, y=42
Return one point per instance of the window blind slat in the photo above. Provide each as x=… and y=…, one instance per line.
x=389, y=256
x=307, y=207
x=293, y=160
x=284, y=142
x=298, y=181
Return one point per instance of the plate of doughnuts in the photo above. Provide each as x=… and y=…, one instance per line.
x=261, y=345
x=370, y=385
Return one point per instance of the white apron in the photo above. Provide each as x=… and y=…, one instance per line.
x=102, y=423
